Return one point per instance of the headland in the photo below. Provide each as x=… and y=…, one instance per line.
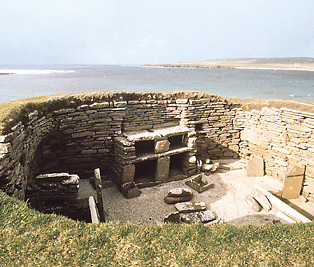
x=293, y=63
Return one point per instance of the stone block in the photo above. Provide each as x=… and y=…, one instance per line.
x=198, y=184
x=130, y=190
x=161, y=146
x=255, y=167
x=128, y=174
x=162, y=169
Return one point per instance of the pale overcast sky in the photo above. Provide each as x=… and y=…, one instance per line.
x=144, y=31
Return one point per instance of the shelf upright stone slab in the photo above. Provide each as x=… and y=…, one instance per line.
x=162, y=169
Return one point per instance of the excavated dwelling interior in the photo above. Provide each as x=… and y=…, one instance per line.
x=144, y=138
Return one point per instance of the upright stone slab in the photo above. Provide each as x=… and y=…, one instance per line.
x=162, y=169
x=293, y=183
x=255, y=167
x=128, y=174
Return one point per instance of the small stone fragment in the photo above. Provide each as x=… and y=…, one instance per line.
x=190, y=206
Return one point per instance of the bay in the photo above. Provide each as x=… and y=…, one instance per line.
x=31, y=81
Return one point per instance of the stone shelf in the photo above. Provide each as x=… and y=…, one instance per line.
x=155, y=134
x=152, y=156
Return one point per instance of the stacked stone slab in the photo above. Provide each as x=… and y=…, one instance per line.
x=216, y=136
x=283, y=138
x=57, y=193
x=159, y=148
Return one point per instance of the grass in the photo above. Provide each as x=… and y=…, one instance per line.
x=29, y=238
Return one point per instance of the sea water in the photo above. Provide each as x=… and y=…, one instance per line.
x=30, y=81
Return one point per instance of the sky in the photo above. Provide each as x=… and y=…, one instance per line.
x=148, y=31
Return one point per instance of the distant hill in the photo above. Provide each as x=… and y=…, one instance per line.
x=290, y=63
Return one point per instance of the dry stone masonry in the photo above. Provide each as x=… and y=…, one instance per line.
x=139, y=140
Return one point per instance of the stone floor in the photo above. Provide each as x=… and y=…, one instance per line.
x=226, y=198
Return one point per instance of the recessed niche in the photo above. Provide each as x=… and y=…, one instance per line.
x=145, y=171
x=144, y=147
x=177, y=141
x=177, y=165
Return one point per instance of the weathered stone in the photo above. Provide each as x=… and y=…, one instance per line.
x=192, y=160
x=130, y=190
x=180, y=192
x=83, y=134
x=161, y=146
x=99, y=105
x=5, y=148
x=255, y=167
x=52, y=177
x=172, y=218
x=293, y=182
x=190, y=206
x=74, y=179
x=174, y=200
x=253, y=204
x=207, y=216
x=263, y=201
x=190, y=218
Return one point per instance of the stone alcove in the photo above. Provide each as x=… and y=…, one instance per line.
x=78, y=138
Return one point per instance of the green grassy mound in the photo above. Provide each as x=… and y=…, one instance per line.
x=29, y=238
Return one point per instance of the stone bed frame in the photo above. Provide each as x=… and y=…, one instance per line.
x=103, y=134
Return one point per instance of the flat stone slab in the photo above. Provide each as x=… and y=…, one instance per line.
x=187, y=207
x=177, y=195
x=53, y=177
x=174, y=200
x=180, y=192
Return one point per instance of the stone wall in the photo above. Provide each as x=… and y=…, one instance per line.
x=81, y=138
x=283, y=137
